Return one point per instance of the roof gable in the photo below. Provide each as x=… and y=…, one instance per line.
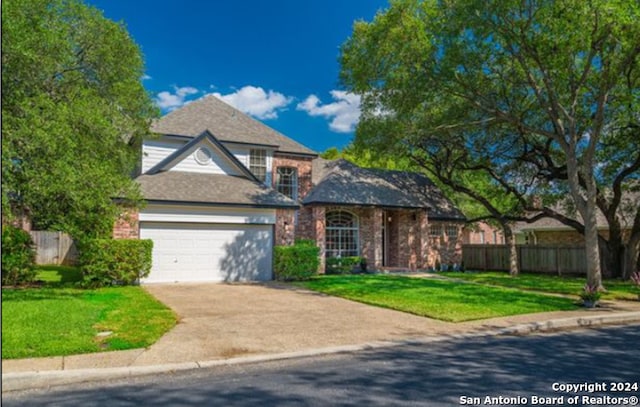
x=221, y=158
x=340, y=182
x=227, y=123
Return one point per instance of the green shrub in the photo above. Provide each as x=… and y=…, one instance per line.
x=297, y=262
x=18, y=256
x=343, y=265
x=305, y=242
x=109, y=261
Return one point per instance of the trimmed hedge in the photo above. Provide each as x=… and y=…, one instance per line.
x=18, y=256
x=297, y=262
x=343, y=265
x=115, y=262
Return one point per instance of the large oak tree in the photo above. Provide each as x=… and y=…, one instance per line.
x=540, y=95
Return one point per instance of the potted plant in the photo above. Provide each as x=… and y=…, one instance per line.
x=590, y=296
x=635, y=278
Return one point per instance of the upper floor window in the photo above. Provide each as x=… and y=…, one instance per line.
x=258, y=163
x=287, y=182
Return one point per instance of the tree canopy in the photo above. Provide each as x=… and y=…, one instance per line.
x=541, y=97
x=73, y=113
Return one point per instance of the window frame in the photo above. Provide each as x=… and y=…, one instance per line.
x=448, y=229
x=258, y=163
x=291, y=186
x=342, y=240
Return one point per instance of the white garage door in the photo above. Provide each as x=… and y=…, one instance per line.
x=209, y=252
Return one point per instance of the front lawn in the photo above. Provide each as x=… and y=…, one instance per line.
x=439, y=299
x=616, y=289
x=58, y=319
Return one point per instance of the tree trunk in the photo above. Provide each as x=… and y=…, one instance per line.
x=592, y=249
x=632, y=254
x=513, y=250
x=615, y=261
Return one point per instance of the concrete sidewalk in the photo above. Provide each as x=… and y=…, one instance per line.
x=229, y=324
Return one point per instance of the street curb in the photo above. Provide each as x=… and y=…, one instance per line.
x=33, y=380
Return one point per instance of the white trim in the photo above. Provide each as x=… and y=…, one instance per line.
x=202, y=214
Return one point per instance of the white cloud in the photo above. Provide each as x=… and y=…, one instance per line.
x=344, y=112
x=171, y=101
x=146, y=77
x=256, y=102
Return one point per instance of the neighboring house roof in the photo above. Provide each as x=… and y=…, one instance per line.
x=227, y=123
x=340, y=182
x=629, y=204
x=219, y=189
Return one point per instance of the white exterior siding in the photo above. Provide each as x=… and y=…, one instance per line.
x=218, y=164
x=154, y=151
x=203, y=214
x=241, y=153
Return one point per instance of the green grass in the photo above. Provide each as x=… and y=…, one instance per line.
x=439, y=299
x=58, y=319
x=616, y=289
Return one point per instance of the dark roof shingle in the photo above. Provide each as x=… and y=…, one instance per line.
x=177, y=186
x=226, y=123
x=343, y=183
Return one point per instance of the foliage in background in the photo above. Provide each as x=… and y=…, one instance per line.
x=115, y=261
x=297, y=262
x=73, y=114
x=18, y=256
x=537, y=97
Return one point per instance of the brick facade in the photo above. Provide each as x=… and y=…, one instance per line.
x=482, y=233
x=284, y=227
x=401, y=240
x=302, y=164
x=127, y=225
x=444, y=248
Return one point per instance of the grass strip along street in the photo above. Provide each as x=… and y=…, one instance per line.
x=58, y=319
x=567, y=285
x=436, y=298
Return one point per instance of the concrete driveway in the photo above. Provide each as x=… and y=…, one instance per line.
x=222, y=321
x=226, y=320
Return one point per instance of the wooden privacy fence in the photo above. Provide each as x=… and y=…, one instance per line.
x=532, y=258
x=54, y=248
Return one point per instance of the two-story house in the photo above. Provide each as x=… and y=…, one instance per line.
x=222, y=189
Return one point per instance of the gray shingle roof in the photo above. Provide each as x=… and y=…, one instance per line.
x=340, y=182
x=226, y=123
x=177, y=186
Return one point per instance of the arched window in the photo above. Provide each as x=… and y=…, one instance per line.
x=341, y=234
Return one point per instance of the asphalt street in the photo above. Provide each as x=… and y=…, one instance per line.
x=521, y=370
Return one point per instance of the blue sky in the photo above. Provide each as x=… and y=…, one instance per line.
x=276, y=60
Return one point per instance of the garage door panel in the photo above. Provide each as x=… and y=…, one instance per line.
x=209, y=252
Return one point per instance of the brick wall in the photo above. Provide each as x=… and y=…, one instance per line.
x=127, y=225
x=302, y=164
x=474, y=234
x=284, y=228
x=444, y=248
